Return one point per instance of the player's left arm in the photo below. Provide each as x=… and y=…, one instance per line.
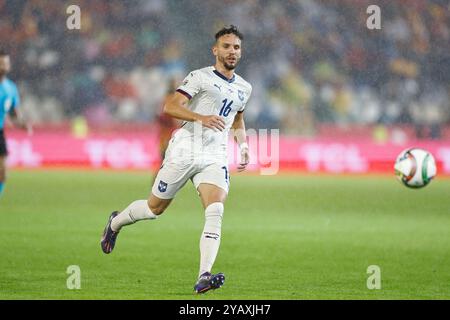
x=241, y=139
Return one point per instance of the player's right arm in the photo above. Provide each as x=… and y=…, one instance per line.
x=176, y=107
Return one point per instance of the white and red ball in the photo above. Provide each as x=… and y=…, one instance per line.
x=415, y=167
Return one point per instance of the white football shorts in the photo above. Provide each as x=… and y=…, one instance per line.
x=173, y=175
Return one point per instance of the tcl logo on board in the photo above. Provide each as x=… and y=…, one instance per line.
x=443, y=154
x=117, y=153
x=334, y=158
x=21, y=153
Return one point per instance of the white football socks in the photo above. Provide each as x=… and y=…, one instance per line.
x=137, y=210
x=210, y=239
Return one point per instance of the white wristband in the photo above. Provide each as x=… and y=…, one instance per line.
x=243, y=146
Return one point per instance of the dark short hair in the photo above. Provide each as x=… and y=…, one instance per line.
x=230, y=30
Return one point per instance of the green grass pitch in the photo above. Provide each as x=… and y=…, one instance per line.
x=283, y=237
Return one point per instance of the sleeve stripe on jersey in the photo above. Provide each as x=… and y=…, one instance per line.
x=184, y=93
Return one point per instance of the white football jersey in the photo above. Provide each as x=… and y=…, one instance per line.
x=210, y=93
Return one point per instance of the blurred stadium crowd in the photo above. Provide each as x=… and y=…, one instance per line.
x=310, y=62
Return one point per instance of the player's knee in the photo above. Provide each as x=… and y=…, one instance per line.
x=156, y=207
x=2, y=175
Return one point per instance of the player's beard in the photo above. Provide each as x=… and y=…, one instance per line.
x=227, y=65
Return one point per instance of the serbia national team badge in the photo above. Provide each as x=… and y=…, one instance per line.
x=241, y=95
x=162, y=187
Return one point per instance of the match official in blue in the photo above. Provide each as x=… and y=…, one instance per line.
x=9, y=102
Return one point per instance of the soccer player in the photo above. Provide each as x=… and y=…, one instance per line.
x=9, y=102
x=210, y=102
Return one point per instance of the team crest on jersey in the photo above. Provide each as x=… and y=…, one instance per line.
x=241, y=95
x=162, y=187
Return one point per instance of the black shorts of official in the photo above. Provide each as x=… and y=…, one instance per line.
x=3, y=148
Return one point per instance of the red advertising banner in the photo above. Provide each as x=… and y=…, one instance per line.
x=269, y=153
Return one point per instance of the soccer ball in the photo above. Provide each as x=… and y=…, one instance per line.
x=415, y=167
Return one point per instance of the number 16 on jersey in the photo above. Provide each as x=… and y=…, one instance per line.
x=226, y=108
